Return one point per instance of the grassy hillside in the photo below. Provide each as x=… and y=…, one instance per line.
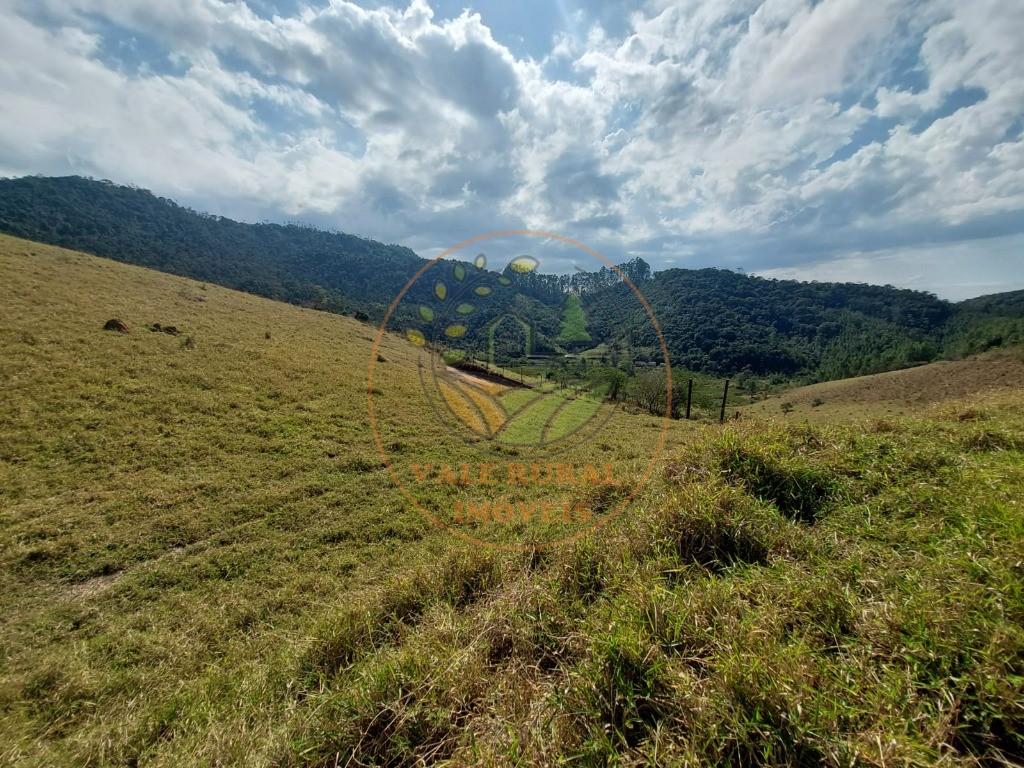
x=178, y=513
x=204, y=562
x=332, y=271
x=897, y=393
x=300, y=264
x=574, y=323
x=785, y=596
x=174, y=513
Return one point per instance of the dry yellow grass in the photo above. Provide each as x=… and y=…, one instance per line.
x=491, y=410
x=173, y=514
x=898, y=393
x=180, y=514
x=462, y=408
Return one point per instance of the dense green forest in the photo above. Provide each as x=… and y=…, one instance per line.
x=713, y=321
x=293, y=263
x=723, y=322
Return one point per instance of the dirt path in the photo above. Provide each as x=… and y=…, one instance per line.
x=490, y=387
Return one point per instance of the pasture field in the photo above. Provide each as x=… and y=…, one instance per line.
x=205, y=561
x=576, y=414
x=899, y=393
x=530, y=421
x=180, y=513
x=783, y=595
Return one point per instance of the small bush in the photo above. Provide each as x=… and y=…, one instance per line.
x=712, y=526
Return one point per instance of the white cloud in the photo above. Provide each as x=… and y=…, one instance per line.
x=951, y=271
x=704, y=127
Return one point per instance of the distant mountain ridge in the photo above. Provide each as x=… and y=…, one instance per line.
x=714, y=321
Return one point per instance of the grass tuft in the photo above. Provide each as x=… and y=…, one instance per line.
x=799, y=490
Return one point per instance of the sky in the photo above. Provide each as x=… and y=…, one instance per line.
x=877, y=141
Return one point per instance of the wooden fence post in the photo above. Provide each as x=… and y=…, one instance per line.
x=689, y=398
x=725, y=394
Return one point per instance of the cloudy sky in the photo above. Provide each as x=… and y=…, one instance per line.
x=866, y=140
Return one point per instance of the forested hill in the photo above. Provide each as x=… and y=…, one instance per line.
x=714, y=320
x=1009, y=304
x=723, y=322
x=298, y=264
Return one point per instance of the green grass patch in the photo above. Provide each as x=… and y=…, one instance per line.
x=526, y=427
x=573, y=329
x=571, y=417
x=515, y=399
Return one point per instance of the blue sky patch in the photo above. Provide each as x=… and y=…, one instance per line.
x=133, y=52
x=875, y=130
x=961, y=98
